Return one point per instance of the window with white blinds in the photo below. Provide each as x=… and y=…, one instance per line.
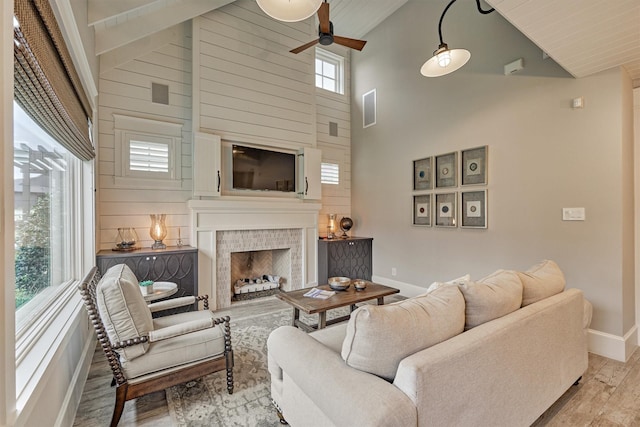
x=148, y=156
x=330, y=173
x=148, y=153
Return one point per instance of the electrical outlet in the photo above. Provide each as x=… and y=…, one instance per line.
x=394, y=271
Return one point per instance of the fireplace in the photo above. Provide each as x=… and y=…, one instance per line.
x=259, y=273
x=288, y=229
x=261, y=245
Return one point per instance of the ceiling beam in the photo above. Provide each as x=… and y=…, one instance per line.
x=112, y=37
x=101, y=10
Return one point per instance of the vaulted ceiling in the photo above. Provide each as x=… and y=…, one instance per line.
x=583, y=36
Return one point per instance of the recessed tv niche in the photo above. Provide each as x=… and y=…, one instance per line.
x=263, y=170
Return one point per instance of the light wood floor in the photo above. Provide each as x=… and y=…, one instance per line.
x=608, y=395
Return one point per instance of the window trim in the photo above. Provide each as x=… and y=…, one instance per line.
x=127, y=128
x=338, y=61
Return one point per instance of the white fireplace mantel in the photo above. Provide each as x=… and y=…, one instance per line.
x=210, y=216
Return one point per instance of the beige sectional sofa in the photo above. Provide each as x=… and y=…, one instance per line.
x=494, y=352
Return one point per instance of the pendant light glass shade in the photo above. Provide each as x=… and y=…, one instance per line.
x=289, y=10
x=444, y=61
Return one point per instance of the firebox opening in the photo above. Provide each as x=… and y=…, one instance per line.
x=259, y=273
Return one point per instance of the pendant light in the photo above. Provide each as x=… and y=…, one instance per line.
x=445, y=60
x=289, y=10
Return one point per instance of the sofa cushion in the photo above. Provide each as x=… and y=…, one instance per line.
x=123, y=310
x=436, y=285
x=491, y=297
x=541, y=281
x=379, y=337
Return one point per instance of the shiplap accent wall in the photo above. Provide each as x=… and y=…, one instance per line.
x=126, y=90
x=332, y=107
x=251, y=89
x=247, y=87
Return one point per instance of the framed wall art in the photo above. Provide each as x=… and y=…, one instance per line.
x=473, y=209
x=474, y=166
x=422, y=210
x=447, y=170
x=422, y=174
x=446, y=210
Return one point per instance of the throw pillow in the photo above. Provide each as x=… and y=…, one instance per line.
x=491, y=297
x=122, y=308
x=436, y=285
x=380, y=336
x=541, y=281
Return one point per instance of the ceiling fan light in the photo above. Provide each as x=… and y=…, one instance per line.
x=438, y=66
x=289, y=10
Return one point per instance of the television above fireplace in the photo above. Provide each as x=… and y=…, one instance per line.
x=263, y=170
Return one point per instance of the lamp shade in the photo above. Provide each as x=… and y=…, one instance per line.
x=289, y=10
x=439, y=65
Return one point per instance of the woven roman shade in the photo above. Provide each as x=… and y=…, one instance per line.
x=46, y=84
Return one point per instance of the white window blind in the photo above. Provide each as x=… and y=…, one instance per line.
x=330, y=173
x=148, y=156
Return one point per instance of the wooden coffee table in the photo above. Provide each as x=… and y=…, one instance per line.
x=350, y=297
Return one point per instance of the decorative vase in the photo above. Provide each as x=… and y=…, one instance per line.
x=127, y=237
x=146, y=290
x=158, y=230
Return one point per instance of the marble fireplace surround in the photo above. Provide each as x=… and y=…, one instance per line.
x=221, y=226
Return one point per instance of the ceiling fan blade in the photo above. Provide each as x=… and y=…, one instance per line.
x=352, y=43
x=323, y=17
x=304, y=46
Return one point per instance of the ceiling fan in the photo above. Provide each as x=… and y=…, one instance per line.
x=325, y=33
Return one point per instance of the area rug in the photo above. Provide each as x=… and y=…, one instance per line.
x=205, y=402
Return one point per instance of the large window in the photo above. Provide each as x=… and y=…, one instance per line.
x=44, y=173
x=329, y=71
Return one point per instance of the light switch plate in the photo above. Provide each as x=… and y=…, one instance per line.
x=573, y=214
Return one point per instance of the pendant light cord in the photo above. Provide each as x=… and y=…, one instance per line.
x=482, y=11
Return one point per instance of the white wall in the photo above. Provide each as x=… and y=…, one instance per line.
x=543, y=156
x=126, y=90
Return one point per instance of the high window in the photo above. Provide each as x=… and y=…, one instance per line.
x=330, y=173
x=147, y=152
x=329, y=71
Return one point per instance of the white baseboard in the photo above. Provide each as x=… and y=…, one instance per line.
x=600, y=343
x=613, y=346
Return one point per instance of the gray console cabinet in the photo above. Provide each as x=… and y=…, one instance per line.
x=179, y=265
x=350, y=257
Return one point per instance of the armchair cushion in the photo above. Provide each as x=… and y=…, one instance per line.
x=123, y=309
x=181, y=349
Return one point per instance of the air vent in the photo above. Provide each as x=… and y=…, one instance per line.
x=159, y=93
x=333, y=129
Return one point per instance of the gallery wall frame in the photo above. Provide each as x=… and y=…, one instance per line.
x=473, y=166
x=473, y=209
x=446, y=170
x=446, y=209
x=422, y=210
x=423, y=174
